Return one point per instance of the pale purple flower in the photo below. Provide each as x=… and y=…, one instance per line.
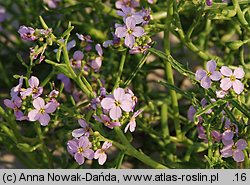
x=80, y=149
x=126, y=12
x=84, y=131
x=2, y=14
x=221, y=93
x=96, y=101
x=53, y=95
x=66, y=81
x=115, y=42
x=97, y=62
x=76, y=61
x=216, y=136
x=145, y=13
x=152, y=1
x=85, y=38
x=17, y=89
x=15, y=105
x=129, y=3
x=100, y=154
x=234, y=150
x=209, y=2
x=232, y=79
x=228, y=134
x=133, y=97
x=117, y=102
x=27, y=33
x=52, y=3
x=106, y=121
x=129, y=31
x=201, y=133
x=41, y=111
x=132, y=123
x=205, y=76
x=69, y=46
x=34, y=89
x=139, y=49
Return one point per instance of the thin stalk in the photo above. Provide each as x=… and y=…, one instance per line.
x=118, y=79
x=131, y=151
x=169, y=71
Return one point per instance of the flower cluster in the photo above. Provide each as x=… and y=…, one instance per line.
x=132, y=31
x=228, y=79
x=81, y=147
x=21, y=99
x=229, y=137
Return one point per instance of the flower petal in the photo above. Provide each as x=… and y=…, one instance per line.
x=88, y=153
x=27, y=92
x=239, y=73
x=241, y=144
x=238, y=156
x=102, y=159
x=226, y=83
x=38, y=103
x=206, y=82
x=34, y=115
x=115, y=113
x=83, y=123
x=227, y=151
x=200, y=73
x=33, y=81
x=50, y=107
x=9, y=103
x=79, y=158
x=78, y=55
x=138, y=31
x=216, y=76
x=226, y=71
x=119, y=93
x=106, y=145
x=121, y=31
x=83, y=142
x=44, y=119
x=108, y=103
x=238, y=86
x=78, y=132
x=130, y=23
x=129, y=40
x=98, y=48
x=211, y=66
x=126, y=105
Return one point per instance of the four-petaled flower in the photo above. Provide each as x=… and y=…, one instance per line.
x=232, y=79
x=128, y=3
x=84, y=131
x=41, y=111
x=76, y=61
x=132, y=123
x=106, y=121
x=80, y=149
x=210, y=74
x=129, y=12
x=235, y=150
x=15, y=105
x=27, y=33
x=34, y=89
x=129, y=31
x=100, y=154
x=114, y=103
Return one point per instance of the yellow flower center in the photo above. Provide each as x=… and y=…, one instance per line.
x=209, y=74
x=117, y=103
x=34, y=90
x=234, y=147
x=80, y=150
x=42, y=110
x=232, y=78
x=130, y=31
x=106, y=123
x=16, y=109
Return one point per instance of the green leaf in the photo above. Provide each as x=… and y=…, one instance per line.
x=178, y=90
x=174, y=63
x=26, y=147
x=244, y=109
